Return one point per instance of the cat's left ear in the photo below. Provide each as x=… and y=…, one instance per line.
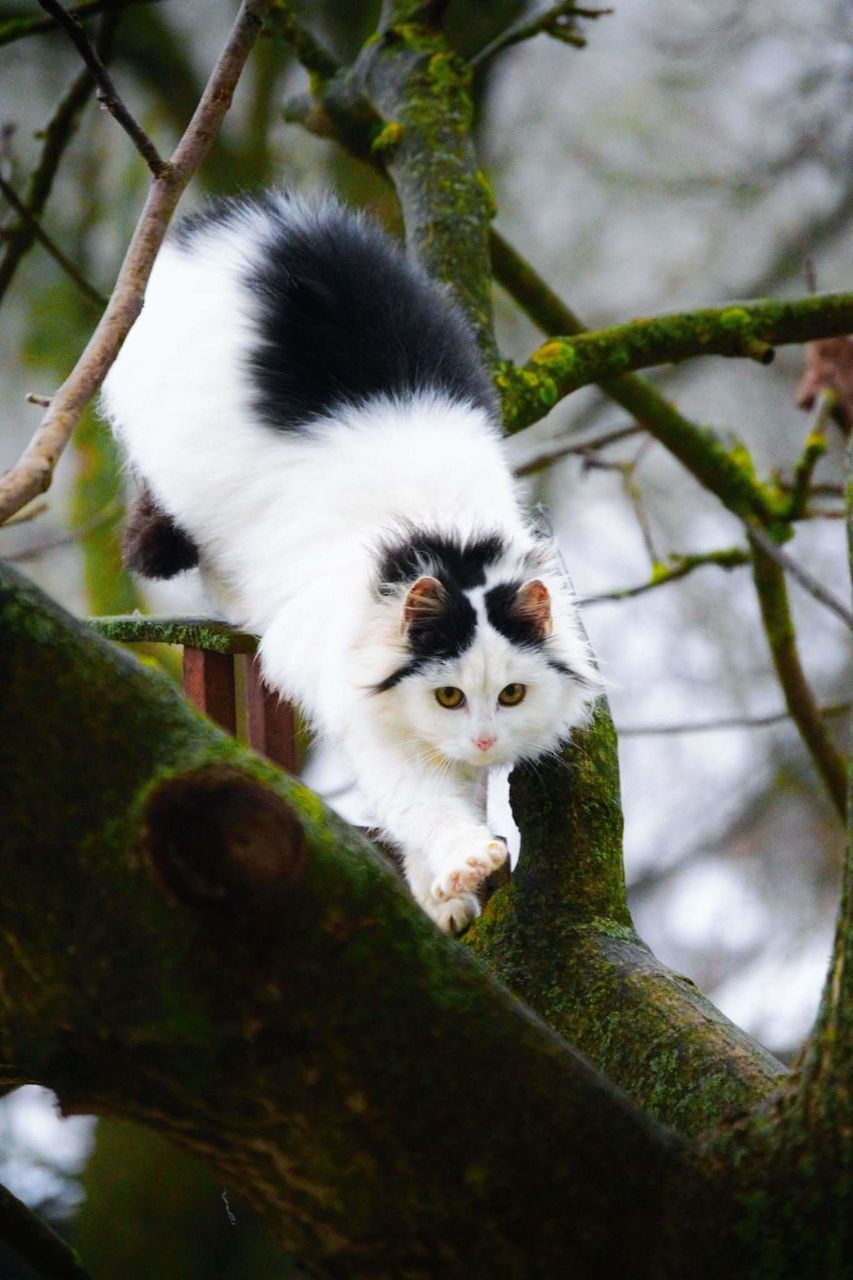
x=532, y=605
x=425, y=599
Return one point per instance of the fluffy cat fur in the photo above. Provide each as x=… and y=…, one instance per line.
x=313, y=424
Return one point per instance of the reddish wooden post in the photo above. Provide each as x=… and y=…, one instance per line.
x=209, y=685
x=271, y=722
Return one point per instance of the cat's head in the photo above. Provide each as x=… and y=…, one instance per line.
x=494, y=667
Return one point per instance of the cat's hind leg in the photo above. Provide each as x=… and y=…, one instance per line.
x=153, y=544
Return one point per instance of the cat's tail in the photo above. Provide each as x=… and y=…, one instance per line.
x=153, y=545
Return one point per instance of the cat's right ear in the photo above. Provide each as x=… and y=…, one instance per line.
x=425, y=599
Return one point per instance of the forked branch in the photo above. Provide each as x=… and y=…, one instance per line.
x=34, y=471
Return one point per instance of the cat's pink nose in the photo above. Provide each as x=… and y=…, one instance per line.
x=484, y=743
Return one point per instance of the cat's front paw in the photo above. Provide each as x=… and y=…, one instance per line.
x=453, y=914
x=468, y=867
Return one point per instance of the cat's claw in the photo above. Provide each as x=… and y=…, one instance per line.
x=453, y=914
x=467, y=877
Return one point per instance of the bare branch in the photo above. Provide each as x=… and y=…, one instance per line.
x=108, y=515
x=89, y=290
x=107, y=92
x=17, y=28
x=57, y=135
x=33, y=473
x=724, y=722
x=307, y=48
x=558, y=21
x=679, y=567
x=802, y=576
x=772, y=593
x=583, y=447
x=24, y=517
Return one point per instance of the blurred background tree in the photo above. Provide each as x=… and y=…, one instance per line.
x=688, y=155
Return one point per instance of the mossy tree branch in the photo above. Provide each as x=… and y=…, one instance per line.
x=747, y=329
x=772, y=594
x=297, y=1014
x=561, y=938
x=37, y=1243
x=420, y=89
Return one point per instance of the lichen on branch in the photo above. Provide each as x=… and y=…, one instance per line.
x=749, y=329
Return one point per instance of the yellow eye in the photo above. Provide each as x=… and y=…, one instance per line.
x=512, y=695
x=449, y=697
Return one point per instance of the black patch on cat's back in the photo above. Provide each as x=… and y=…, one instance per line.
x=459, y=565
x=343, y=317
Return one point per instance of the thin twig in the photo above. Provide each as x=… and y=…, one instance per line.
x=772, y=593
x=679, y=567
x=558, y=21
x=15, y=202
x=801, y=575
x=24, y=517
x=634, y=494
x=107, y=92
x=725, y=722
x=17, y=28
x=313, y=56
x=34, y=471
x=107, y=515
x=583, y=447
x=813, y=451
x=57, y=136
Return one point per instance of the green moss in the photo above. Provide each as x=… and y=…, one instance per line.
x=387, y=138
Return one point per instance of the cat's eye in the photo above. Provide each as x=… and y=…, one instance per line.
x=449, y=697
x=512, y=694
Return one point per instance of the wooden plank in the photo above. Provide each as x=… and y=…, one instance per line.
x=209, y=685
x=271, y=722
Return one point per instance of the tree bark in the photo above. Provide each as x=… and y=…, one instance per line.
x=214, y=954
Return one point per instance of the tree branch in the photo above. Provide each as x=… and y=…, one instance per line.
x=560, y=936
x=311, y=53
x=775, y=612
x=585, y=448
x=107, y=92
x=88, y=290
x=34, y=471
x=17, y=28
x=680, y=566
x=806, y=580
x=57, y=135
x=35, y=1242
x=420, y=90
x=724, y=722
x=287, y=970
x=752, y=329
x=558, y=21
x=720, y=470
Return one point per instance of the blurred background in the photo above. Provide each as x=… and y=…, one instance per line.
x=689, y=155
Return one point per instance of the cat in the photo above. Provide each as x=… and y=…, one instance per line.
x=315, y=428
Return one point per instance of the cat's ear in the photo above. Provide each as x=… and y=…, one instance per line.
x=425, y=599
x=532, y=605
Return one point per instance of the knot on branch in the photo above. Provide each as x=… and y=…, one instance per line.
x=215, y=835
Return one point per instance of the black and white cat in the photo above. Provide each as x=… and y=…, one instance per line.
x=315, y=428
